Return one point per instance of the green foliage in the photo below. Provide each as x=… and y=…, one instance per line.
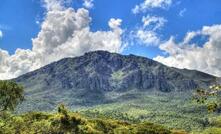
x=211, y=97
x=173, y=110
x=11, y=94
x=65, y=122
x=212, y=131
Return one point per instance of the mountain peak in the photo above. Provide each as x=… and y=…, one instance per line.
x=98, y=52
x=91, y=76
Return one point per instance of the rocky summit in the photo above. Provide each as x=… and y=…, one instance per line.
x=88, y=79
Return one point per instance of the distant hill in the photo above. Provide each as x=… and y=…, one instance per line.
x=91, y=79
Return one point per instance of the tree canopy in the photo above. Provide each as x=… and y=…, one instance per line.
x=211, y=97
x=11, y=94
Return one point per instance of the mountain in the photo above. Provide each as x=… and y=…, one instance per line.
x=100, y=77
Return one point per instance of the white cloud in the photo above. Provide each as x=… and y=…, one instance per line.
x=147, y=38
x=154, y=21
x=88, y=3
x=191, y=56
x=181, y=13
x=1, y=34
x=53, y=4
x=150, y=4
x=64, y=33
x=189, y=36
x=147, y=34
x=114, y=23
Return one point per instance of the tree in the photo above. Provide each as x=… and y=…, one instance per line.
x=11, y=94
x=211, y=97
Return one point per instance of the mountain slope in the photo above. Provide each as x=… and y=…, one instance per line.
x=89, y=79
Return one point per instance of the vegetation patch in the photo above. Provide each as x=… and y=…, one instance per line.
x=65, y=122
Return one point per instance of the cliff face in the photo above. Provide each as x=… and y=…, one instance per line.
x=94, y=74
x=106, y=71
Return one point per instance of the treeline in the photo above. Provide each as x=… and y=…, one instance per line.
x=87, y=122
x=65, y=122
x=62, y=122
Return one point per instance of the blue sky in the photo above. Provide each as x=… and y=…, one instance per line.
x=20, y=22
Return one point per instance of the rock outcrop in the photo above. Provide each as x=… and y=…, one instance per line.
x=94, y=74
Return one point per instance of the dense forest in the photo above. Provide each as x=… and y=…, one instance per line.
x=64, y=121
x=61, y=122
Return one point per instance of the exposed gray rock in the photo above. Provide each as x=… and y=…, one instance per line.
x=89, y=77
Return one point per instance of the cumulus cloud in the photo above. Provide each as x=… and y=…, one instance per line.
x=147, y=33
x=88, y=3
x=1, y=34
x=64, y=33
x=53, y=4
x=114, y=23
x=147, y=37
x=206, y=58
x=150, y=4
